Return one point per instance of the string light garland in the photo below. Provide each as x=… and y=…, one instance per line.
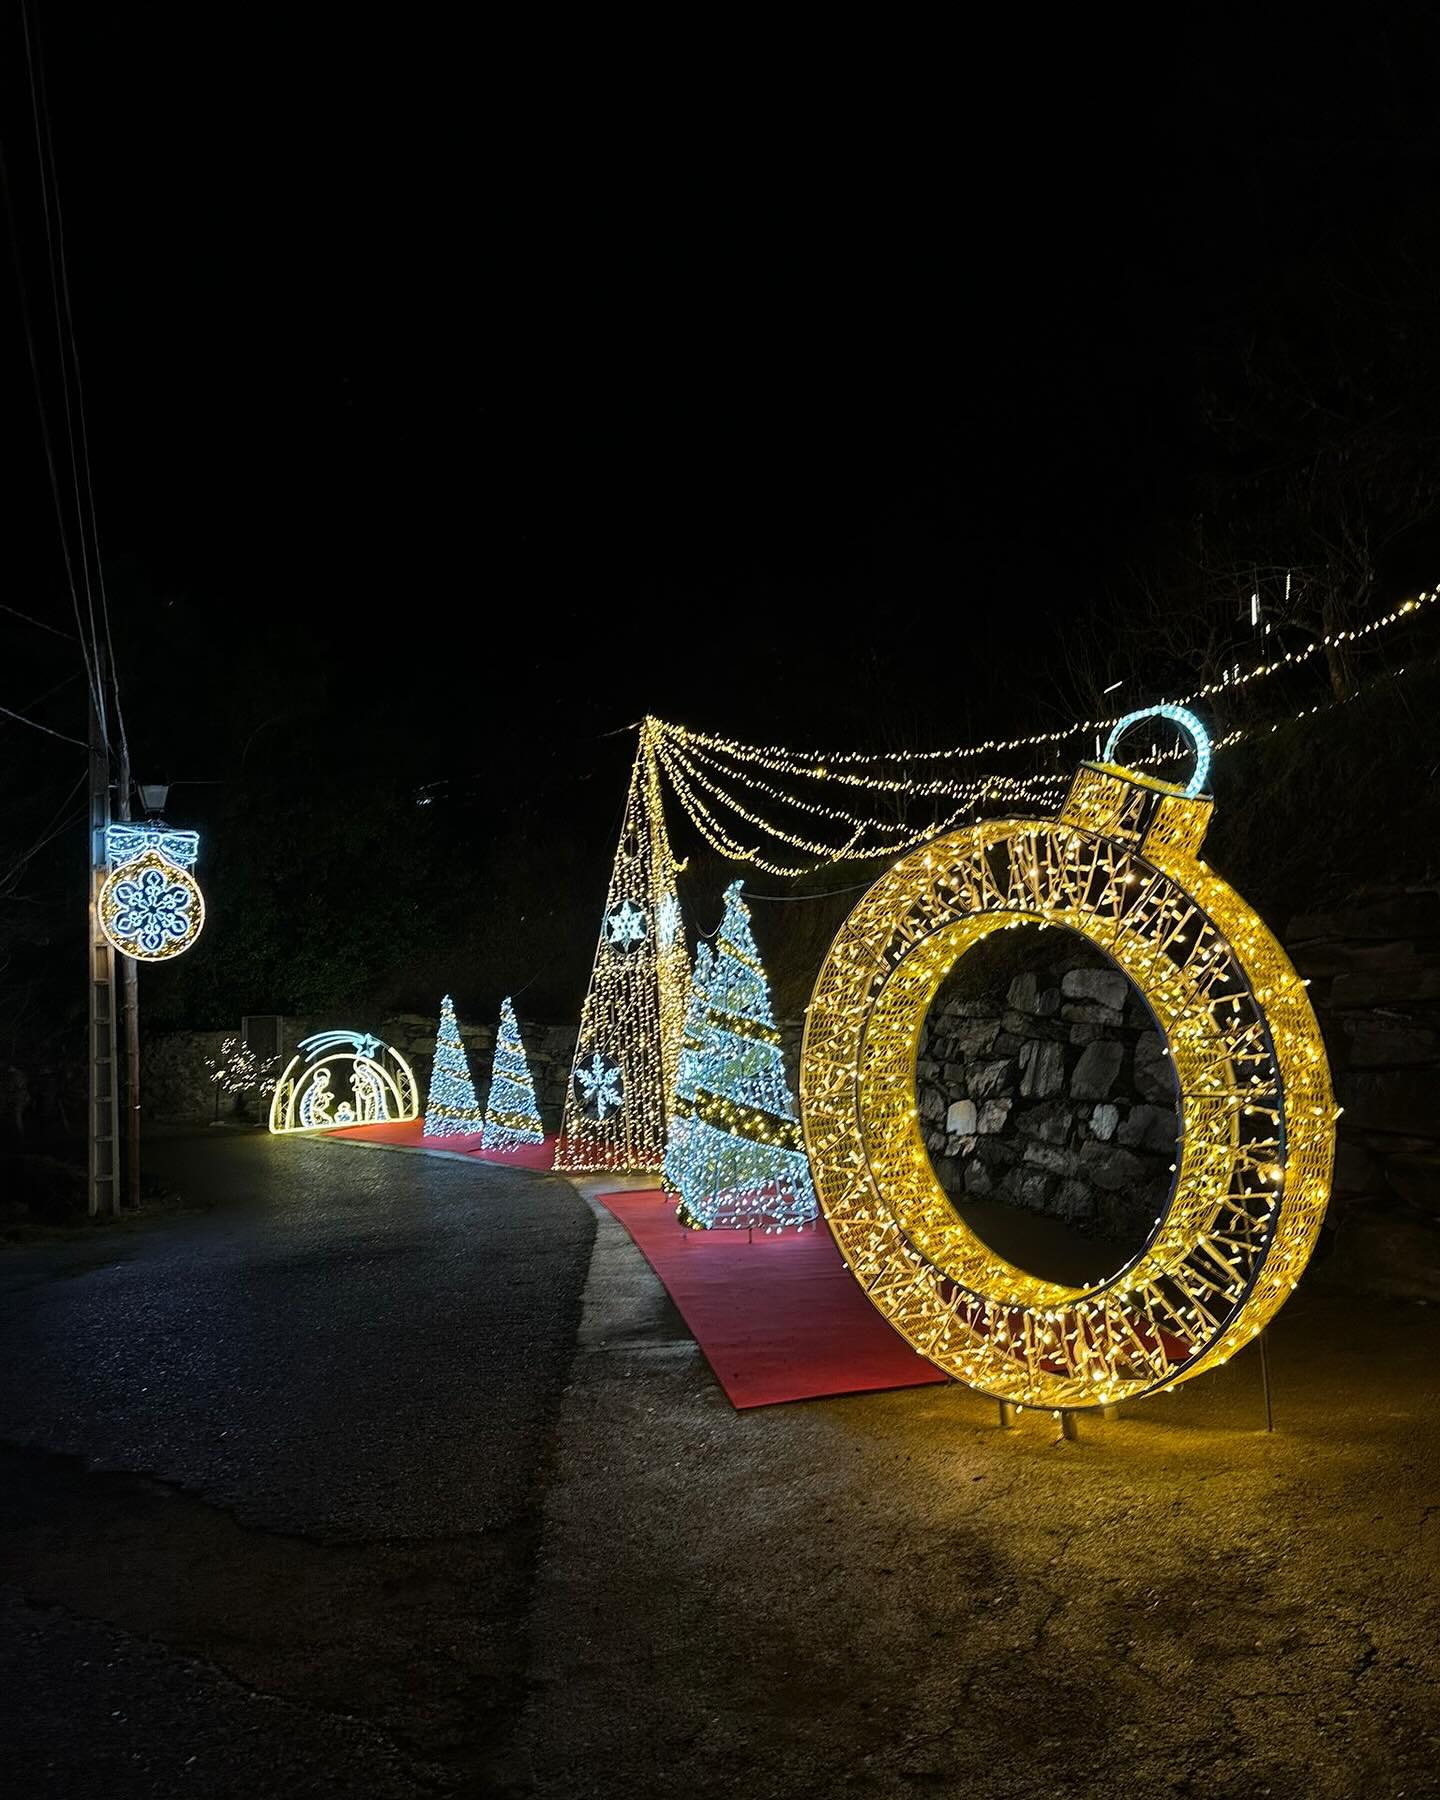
x=451, y=1109
x=308, y=1095
x=1120, y=865
x=150, y=906
x=627, y=1054
x=511, y=1115
x=738, y=1159
x=849, y=765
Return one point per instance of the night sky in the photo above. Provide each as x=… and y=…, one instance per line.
x=455, y=401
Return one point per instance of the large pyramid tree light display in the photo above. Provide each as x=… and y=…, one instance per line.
x=451, y=1109
x=683, y=1105
x=627, y=1056
x=742, y=1160
x=511, y=1116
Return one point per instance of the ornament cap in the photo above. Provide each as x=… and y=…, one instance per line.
x=1155, y=817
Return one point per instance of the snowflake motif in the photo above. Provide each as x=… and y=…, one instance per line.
x=600, y=1086
x=625, y=928
x=152, y=909
x=669, y=921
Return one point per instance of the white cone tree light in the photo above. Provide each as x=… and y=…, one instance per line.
x=451, y=1109
x=511, y=1115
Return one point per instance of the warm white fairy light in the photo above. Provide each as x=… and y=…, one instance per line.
x=1121, y=866
x=627, y=1054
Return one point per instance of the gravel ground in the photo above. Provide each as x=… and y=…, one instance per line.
x=888, y=1596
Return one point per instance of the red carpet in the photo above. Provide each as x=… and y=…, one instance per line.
x=410, y=1135
x=779, y=1318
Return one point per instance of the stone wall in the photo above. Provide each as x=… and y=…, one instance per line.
x=1374, y=972
x=177, y=1085
x=1042, y=1082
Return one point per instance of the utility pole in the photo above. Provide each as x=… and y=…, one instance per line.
x=130, y=991
x=104, y=1111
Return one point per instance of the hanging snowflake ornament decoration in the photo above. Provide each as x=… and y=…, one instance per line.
x=599, y=1088
x=150, y=908
x=627, y=927
x=670, y=920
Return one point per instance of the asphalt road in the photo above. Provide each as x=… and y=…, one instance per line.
x=270, y=1476
x=394, y=1477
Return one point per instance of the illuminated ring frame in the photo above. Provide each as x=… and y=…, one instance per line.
x=108, y=908
x=399, y=1089
x=1120, y=866
x=1186, y=720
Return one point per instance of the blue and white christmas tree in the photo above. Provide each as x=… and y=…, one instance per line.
x=743, y=1160
x=451, y=1109
x=511, y=1116
x=687, y=1076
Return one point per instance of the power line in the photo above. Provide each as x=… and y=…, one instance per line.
x=40, y=624
x=80, y=412
x=35, y=725
x=89, y=644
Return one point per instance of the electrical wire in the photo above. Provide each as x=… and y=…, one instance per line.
x=89, y=509
x=89, y=646
x=40, y=624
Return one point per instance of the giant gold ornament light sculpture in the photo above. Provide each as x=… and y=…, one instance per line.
x=1121, y=866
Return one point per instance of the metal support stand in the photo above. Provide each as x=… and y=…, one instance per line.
x=1008, y=1418
x=1110, y=1413
x=1070, y=1427
x=1265, y=1381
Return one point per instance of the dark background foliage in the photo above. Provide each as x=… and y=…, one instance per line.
x=453, y=403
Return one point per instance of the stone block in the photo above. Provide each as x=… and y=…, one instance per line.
x=1034, y=1190
x=1154, y=1073
x=960, y=1119
x=1103, y=987
x=1356, y=1170
x=1416, y=1179
x=1075, y=1202
x=1050, y=1121
x=1380, y=1043
x=1405, y=1101
x=1110, y=1167
x=1048, y=1157
x=1103, y=1121
x=1395, y=987
x=1042, y=1068
x=1024, y=993
x=1089, y=1012
x=993, y=1116
x=1097, y=1068
x=973, y=1038
x=958, y=1146
x=1008, y=1043
x=1048, y=1004
x=932, y=1105
x=990, y=1078
x=1148, y=1128
x=979, y=1182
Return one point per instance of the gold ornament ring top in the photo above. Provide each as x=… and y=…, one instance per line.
x=1121, y=866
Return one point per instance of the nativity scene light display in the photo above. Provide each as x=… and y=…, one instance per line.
x=338, y=1079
